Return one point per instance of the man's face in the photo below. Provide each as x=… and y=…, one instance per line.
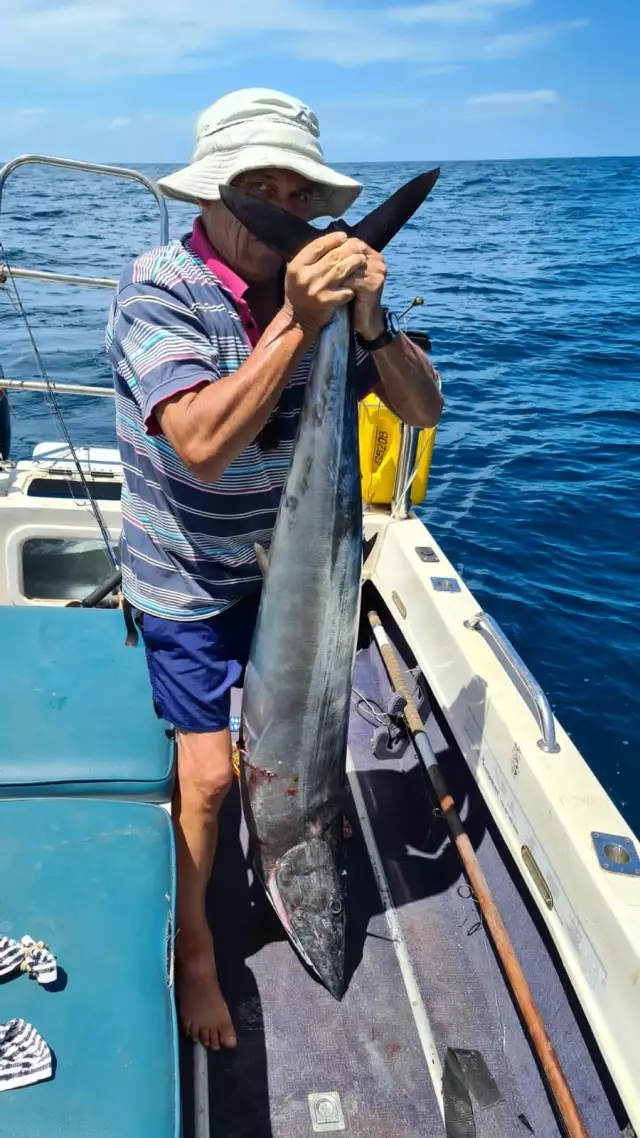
x=281, y=187
x=249, y=257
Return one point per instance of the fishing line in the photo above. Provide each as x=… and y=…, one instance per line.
x=417, y=301
x=58, y=412
x=375, y=711
x=6, y=296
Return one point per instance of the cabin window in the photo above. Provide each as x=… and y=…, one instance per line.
x=101, y=489
x=62, y=569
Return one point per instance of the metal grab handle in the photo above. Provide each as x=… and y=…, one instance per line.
x=543, y=711
x=89, y=168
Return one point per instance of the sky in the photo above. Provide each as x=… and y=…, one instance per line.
x=112, y=80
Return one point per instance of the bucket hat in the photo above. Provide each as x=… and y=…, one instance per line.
x=253, y=129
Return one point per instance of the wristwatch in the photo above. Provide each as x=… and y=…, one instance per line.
x=389, y=333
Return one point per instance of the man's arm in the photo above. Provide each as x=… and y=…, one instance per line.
x=409, y=383
x=210, y=425
x=172, y=366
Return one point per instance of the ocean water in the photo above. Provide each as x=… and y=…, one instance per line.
x=530, y=274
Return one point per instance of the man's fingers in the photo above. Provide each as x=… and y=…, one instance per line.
x=340, y=270
x=319, y=248
x=342, y=296
x=333, y=246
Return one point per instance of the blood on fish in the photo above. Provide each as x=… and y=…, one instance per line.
x=291, y=791
x=258, y=773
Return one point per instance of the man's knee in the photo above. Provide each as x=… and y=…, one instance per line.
x=205, y=766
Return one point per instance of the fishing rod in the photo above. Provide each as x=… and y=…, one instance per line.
x=518, y=983
x=415, y=303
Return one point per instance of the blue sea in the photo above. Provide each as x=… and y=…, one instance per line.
x=530, y=274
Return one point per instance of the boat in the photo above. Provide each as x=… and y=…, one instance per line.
x=493, y=887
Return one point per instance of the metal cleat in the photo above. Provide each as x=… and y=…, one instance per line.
x=391, y=740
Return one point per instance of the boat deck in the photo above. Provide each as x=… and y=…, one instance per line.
x=375, y=1048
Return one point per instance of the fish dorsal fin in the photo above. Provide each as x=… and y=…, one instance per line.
x=287, y=234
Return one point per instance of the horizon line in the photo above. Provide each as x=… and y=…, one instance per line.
x=418, y=161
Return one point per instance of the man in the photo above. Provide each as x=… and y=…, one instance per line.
x=210, y=341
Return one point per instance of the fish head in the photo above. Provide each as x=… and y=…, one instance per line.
x=306, y=891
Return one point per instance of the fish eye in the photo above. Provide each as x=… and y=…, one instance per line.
x=336, y=907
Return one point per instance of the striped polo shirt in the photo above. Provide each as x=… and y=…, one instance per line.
x=179, y=317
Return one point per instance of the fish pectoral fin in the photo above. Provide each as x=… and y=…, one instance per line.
x=262, y=557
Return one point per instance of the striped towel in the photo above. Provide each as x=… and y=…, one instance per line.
x=25, y=1058
x=30, y=956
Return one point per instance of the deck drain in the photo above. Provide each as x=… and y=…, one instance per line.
x=326, y=1112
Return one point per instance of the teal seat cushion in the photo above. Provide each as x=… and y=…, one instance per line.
x=76, y=711
x=94, y=879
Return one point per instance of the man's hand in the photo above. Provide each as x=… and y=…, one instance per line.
x=329, y=273
x=322, y=277
x=368, y=284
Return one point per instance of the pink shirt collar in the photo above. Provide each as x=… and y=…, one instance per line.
x=229, y=280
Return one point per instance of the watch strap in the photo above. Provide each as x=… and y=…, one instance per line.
x=388, y=334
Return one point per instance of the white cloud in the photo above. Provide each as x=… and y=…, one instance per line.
x=119, y=122
x=92, y=39
x=513, y=98
x=451, y=11
x=33, y=111
x=510, y=45
x=441, y=68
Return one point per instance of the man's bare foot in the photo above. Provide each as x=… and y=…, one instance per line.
x=203, y=1012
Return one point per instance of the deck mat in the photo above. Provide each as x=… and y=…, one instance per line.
x=296, y=1041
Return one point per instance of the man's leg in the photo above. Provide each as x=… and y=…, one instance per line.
x=192, y=668
x=204, y=776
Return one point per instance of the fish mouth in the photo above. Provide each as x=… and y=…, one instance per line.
x=306, y=893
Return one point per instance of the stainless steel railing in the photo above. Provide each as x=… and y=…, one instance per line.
x=57, y=278
x=401, y=500
x=58, y=388
x=90, y=168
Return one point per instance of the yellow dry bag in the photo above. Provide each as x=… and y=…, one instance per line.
x=379, y=450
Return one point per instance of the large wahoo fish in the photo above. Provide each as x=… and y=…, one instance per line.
x=297, y=689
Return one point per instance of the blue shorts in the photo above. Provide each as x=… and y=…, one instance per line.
x=194, y=664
